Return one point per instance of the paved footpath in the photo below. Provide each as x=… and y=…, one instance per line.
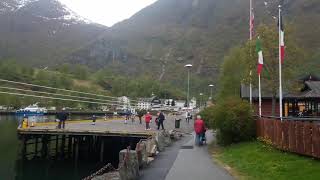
x=162, y=164
x=196, y=163
x=184, y=161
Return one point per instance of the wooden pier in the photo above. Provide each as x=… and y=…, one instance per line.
x=81, y=138
x=101, y=128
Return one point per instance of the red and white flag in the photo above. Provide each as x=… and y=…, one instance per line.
x=281, y=40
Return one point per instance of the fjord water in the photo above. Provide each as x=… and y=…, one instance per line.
x=13, y=167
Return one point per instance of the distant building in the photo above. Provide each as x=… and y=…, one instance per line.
x=156, y=102
x=180, y=103
x=149, y=103
x=124, y=103
x=104, y=108
x=167, y=102
x=193, y=103
x=144, y=103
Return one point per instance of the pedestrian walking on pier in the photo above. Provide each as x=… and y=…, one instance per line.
x=147, y=119
x=140, y=114
x=94, y=118
x=62, y=116
x=133, y=116
x=161, y=118
x=127, y=114
x=188, y=116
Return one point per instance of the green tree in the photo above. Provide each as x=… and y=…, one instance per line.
x=65, y=68
x=81, y=72
x=242, y=60
x=294, y=62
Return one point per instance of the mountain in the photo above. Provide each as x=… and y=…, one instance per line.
x=157, y=41
x=42, y=32
x=168, y=34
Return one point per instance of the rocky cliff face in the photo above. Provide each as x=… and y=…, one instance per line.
x=158, y=40
x=42, y=32
x=171, y=33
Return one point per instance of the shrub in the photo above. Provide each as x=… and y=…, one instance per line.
x=234, y=121
x=207, y=116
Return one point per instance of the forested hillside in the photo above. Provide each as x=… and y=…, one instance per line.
x=156, y=42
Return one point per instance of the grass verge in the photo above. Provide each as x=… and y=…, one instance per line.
x=255, y=160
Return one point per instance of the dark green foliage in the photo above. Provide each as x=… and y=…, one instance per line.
x=141, y=113
x=233, y=118
x=207, y=116
x=134, y=86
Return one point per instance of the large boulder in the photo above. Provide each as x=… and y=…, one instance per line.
x=128, y=165
x=151, y=147
x=141, y=149
x=163, y=139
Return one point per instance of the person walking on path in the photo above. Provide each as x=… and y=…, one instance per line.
x=188, y=115
x=147, y=119
x=133, y=116
x=94, y=118
x=127, y=114
x=62, y=116
x=161, y=118
x=140, y=114
x=200, y=129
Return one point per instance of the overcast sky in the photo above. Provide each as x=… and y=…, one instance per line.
x=106, y=12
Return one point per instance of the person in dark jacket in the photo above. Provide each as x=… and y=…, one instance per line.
x=161, y=118
x=62, y=116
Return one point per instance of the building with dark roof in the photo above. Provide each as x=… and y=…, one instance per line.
x=304, y=103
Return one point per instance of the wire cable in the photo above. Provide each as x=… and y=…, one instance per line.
x=55, y=94
x=47, y=87
x=56, y=98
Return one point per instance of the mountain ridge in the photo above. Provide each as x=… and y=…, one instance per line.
x=161, y=38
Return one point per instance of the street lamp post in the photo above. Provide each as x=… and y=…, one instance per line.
x=188, y=66
x=211, y=87
x=201, y=94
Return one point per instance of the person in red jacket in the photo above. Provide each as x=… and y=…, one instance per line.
x=148, y=118
x=200, y=129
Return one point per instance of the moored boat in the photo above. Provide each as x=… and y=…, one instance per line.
x=32, y=110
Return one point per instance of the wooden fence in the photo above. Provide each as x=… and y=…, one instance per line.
x=302, y=137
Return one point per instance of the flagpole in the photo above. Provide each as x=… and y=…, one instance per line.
x=250, y=95
x=250, y=86
x=259, y=94
x=280, y=68
x=251, y=20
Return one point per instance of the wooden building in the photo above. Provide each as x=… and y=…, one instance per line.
x=305, y=103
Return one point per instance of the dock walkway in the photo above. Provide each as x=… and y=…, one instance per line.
x=112, y=127
x=101, y=128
